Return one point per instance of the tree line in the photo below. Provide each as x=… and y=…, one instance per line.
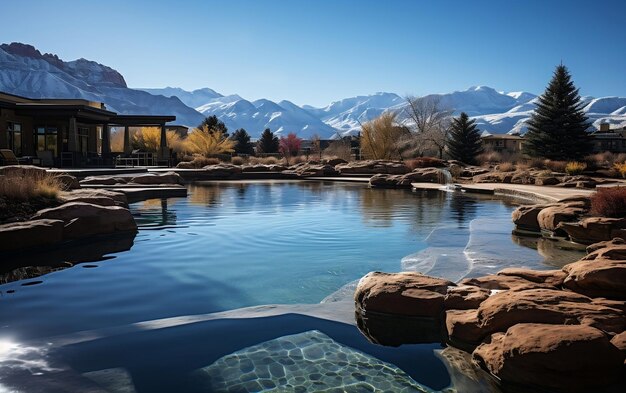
x=557, y=129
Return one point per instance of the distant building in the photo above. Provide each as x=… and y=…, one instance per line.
x=503, y=143
x=608, y=139
x=67, y=132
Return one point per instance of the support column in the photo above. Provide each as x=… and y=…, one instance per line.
x=127, y=147
x=106, y=142
x=72, y=137
x=164, y=151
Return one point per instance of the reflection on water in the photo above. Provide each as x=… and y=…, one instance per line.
x=24, y=266
x=238, y=244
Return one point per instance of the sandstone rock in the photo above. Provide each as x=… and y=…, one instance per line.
x=420, y=175
x=95, y=196
x=494, y=177
x=186, y=165
x=569, y=358
x=552, y=278
x=581, y=200
x=505, y=309
x=425, y=175
x=67, y=181
x=29, y=234
x=315, y=170
x=619, y=341
x=263, y=168
x=503, y=282
x=474, y=171
x=611, y=249
x=165, y=178
x=463, y=329
x=373, y=167
x=335, y=161
x=550, y=217
x=599, y=277
x=525, y=217
x=523, y=177
x=464, y=297
x=593, y=229
x=612, y=303
x=547, y=181
x=104, y=180
x=86, y=219
x=388, y=181
x=405, y=293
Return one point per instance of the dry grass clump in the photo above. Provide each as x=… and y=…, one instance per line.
x=339, y=149
x=575, y=168
x=297, y=159
x=237, y=161
x=263, y=160
x=29, y=185
x=489, y=157
x=522, y=166
x=425, y=162
x=556, y=166
x=506, y=167
x=621, y=168
x=535, y=162
x=600, y=160
x=609, y=202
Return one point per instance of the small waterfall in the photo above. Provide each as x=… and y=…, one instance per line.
x=445, y=179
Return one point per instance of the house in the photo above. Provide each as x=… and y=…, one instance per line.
x=67, y=132
x=503, y=143
x=609, y=139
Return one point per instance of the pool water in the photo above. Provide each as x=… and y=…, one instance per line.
x=233, y=245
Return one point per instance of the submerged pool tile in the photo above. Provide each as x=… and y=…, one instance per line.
x=305, y=362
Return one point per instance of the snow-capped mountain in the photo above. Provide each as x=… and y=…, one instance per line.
x=347, y=115
x=25, y=71
x=255, y=116
x=192, y=99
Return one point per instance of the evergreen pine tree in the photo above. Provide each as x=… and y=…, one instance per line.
x=268, y=142
x=464, y=142
x=213, y=123
x=557, y=128
x=244, y=146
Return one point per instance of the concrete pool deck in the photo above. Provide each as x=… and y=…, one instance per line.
x=525, y=191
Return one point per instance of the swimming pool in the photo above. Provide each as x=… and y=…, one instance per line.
x=240, y=244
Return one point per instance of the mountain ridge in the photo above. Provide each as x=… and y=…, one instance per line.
x=25, y=71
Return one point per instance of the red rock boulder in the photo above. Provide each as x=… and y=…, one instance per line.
x=567, y=358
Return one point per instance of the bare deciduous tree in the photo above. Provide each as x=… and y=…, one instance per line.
x=428, y=122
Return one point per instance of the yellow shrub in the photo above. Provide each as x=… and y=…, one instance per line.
x=206, y=142
x=621, y=168
x=575, y=168
x=149, y=139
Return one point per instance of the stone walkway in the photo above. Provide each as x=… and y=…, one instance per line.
x=537, y=193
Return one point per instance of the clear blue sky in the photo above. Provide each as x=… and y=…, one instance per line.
x=314, y=52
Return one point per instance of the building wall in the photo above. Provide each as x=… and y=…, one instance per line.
x=9, y=116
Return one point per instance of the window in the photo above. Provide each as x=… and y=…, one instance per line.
x=499, y=143
x=45, y=138
x=83, y=139
x=14, y=135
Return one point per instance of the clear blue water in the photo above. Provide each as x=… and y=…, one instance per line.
x=233, y=245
